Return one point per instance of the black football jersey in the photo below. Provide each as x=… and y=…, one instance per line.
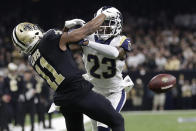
x=57, y=67
x=13, y=87
x=29, y=85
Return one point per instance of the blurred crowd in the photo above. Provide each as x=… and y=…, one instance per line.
x=159, y=43
x=163, y=49
x=22, y=92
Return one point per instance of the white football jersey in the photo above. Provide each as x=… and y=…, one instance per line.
x=103, y=72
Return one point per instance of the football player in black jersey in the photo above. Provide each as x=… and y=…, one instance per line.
x=51, y=58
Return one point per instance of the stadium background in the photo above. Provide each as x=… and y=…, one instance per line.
x=162, y=32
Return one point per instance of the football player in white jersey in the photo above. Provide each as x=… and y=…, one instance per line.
x=104, y=59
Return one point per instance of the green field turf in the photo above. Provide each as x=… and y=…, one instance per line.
x=158, y=121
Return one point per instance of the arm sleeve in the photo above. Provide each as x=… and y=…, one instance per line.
x=107, y=50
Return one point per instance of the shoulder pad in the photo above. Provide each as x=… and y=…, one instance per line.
x=125, y=43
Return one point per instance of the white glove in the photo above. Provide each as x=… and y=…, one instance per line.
x=110, y=12
x=74, y=22
x=21, y=98
x=30, y=93
x=128, y=83
x=53, y=108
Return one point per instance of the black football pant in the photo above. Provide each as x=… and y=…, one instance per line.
x=5, y=115
x=41, y=110
x=96, y=107
x=27, y=107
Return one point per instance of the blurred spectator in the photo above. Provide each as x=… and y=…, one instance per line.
x=160, y=61
x=158, y=102
x=30, y=99
x=1, y=94
x=4, y=99
x=186, y=95
x=42, y=94
x=187, y=53
x=137, y=95
x=128, y=103
x=173, y=63
x=193, y=89
x=135, y=59
x=13, y=87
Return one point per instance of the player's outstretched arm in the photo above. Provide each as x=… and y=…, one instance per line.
x=108, y=50
x=86, y=30
x=82, y=32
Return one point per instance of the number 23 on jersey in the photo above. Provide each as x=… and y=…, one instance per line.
x=110, y=63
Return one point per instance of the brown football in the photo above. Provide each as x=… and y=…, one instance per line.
x=162, y=83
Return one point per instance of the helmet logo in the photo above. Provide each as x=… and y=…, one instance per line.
x=29, y=27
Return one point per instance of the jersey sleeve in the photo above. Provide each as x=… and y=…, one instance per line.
x=52, y=34
x=125, y=43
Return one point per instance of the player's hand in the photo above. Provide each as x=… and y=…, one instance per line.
x=21, y=98
x=74, y=22
x=110, y=13
x=83, y=42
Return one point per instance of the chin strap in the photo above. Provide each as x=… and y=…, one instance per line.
x=107, y=50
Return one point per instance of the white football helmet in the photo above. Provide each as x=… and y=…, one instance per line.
x=26, y=36
x=111, y=26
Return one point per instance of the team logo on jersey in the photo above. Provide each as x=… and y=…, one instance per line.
x=129, y=45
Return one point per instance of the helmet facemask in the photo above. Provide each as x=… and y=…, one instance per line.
x=110, y=27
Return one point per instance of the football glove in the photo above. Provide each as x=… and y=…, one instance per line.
x=83, y=42
x=53, y=108
x=71, y=23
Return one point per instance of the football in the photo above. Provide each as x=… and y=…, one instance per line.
x=161, y=83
